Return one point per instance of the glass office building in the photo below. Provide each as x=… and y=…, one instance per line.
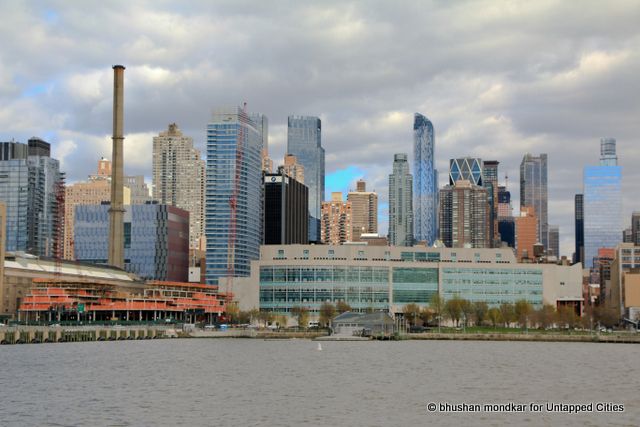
x=304, y=140
x=32, y=187
x=602, y=210
x=156, y=239
x=425, y=181
x=400, y=202
x=533, y=192
x=232, y=174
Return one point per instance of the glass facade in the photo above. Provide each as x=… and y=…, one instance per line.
x=493, y=286
x=425, y=181
x=29, y=183
x=156, y=239
x=232, y=173
x=362, y=287
x=602, y=210
x=579, y=228
x=304, y=140
x=400, y=203
x=414, y=285
x=533, y=191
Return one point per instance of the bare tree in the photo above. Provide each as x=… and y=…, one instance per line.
x=411, y=313
x=480, y=309
x=327, y=313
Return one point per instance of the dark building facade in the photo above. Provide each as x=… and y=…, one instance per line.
x=286, y=210
x=507, y=230
x=156, y=239
x=578, y=256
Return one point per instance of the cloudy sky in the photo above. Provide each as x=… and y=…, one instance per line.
x=497, y=79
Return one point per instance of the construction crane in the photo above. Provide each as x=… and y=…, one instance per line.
x=233, y=206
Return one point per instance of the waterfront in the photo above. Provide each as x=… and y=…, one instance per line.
x=256, y=382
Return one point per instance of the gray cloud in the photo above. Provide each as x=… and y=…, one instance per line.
x=497, y=79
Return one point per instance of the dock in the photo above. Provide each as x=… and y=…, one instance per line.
x=51, y=334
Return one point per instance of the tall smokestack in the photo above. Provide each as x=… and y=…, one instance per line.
x=116, y=211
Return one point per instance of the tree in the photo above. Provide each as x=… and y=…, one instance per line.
x=301, y=315
x=265, y=317
x=436, y=304
x=243, y=317
x=453, y=307
x=480, y=309
x=606, y=316
x=494, y=315
x=566, y=316
x=426, y=315
x=342, y=307
x=467, y=310
x=507, y=313
x=522, y=311
x=411, y=313
x=254, y=315
x=327, y=313
x=232, y=311
x=545, y=316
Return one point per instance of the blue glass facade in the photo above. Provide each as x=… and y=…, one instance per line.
x=231, y=171
x=602, y=205
x=29, y=182
x=425, y=182
x=304, y=140
x=156, y=239
x=533, y=192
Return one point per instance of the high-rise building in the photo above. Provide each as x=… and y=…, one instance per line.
x=93, y=192
x=178, y=177
x=292, y=168
x=233, y=194
x=602, y=203
x=262, y=124
x=304, y=140
x=139, y=189
x=506, y=223
x=505, y=209
x=400, y=202
x=490, y=181
x=554, y=241
x=4, y=299
x=526, y=232
x=425, y=181
x=627, y=235
x=286, y=210
x=464, y=215
x=32, y=187
x=533, y=191
x=364, y=211
x=578, y=255
x=336, y=220
x=466, y=168
x=156, y=243
x=635, y=228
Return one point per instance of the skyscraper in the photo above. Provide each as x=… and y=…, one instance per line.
x=32, y=187
x=579, y=228
x=466, y=168
x=554, y=241
x=304, y=140
x=400, y=202
x=139, y=189
x=490, y=181
x=286, y=210
x=506, y=223
x=533, y=191
x=178, y=177
x=233, y=194
x=464, y=215
x=602, y=203
x=364, y=210
x=336, y=220
x=262, y=124
x=425, y=181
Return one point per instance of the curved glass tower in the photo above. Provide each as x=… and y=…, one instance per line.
x=425, y=181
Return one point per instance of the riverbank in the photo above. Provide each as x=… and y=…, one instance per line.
x=622, y=338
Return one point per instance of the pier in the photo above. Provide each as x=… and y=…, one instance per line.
x=43, y=334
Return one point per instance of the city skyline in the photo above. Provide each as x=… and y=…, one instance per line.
x=573, y=86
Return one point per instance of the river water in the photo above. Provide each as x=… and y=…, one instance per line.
x=243, y=382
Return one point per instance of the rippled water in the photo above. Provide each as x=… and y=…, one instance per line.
x=254, y=382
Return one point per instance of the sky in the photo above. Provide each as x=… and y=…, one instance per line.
x=497, y=79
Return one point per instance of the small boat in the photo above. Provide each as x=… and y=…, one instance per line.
x=319, y=347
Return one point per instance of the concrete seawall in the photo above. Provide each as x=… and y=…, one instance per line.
x=597, y=338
